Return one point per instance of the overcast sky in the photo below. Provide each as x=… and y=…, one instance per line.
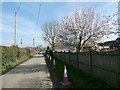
x=27, y=29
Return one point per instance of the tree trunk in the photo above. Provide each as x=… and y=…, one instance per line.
x=79, y=44
x=53, y=47
x=53, y=44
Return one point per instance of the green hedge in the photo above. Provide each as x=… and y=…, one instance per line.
x=12, y=56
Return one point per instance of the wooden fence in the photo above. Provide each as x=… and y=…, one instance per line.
x=99, y=65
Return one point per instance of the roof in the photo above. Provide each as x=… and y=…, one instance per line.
x=113, y=43
x=118, y=40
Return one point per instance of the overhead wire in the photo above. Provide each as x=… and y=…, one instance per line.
x=39, y=8
x=19, y=7
x=38, y=14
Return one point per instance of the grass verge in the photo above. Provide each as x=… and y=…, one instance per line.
x=77, y=78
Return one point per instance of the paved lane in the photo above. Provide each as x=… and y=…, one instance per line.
x=30, y=74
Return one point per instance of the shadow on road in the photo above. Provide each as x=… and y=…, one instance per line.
x=36, y=82
x=24, y=69
x=38, y=56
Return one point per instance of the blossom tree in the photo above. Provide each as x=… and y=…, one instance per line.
x=82, y=26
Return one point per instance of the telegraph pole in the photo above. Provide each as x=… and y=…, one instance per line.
x=21, y=43
x=15, y=32
x=33, y=43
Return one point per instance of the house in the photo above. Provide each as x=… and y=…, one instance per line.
x=105, y=46
x=109, y=45
x=63, y=48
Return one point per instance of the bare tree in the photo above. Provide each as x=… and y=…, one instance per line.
x=83, y=25
x=50, y=33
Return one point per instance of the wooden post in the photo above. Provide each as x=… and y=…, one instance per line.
x=55, y=55
x=63, y=56
x=118, y=69
x=15, y=32
x=21, y=43
x=69, y=57
x=33, y=42
x=77, y=60
x=90, y=63
x=51, y=52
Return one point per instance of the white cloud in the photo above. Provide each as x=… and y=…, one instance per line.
x=24, y=26
x=107, y=7
x=6, y=42
x=7, y=28
x=26, y=29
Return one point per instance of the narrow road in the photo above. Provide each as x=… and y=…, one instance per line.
x=30, y=74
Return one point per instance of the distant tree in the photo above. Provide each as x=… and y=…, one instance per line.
x=39, y=48
x=27, y=51
x=82, y=26
x=50, y=34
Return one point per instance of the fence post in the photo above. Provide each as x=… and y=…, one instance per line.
x=60, y=55
x=69, y=57
x=55, y=55
x=118, y=69
x=90, y=62
x=64, y=57
x=77, y=60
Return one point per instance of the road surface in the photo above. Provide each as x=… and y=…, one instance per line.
x=30, y=74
